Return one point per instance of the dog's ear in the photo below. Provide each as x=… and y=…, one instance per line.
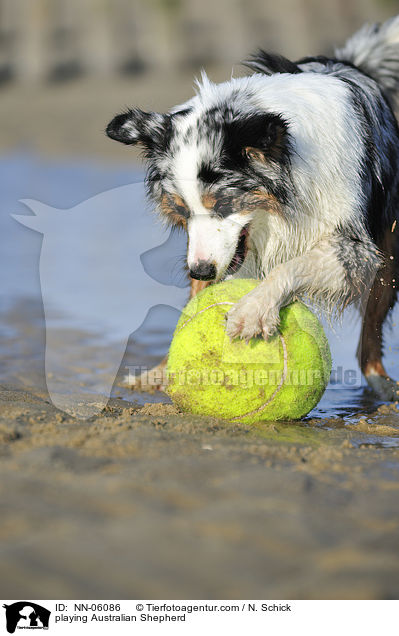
x=260, y=137
x=135, y=126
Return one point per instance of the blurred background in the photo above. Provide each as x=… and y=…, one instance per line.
x=67, y=65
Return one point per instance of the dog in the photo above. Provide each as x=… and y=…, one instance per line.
x=289, y=175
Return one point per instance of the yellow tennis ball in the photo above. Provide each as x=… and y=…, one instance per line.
x=281, y=379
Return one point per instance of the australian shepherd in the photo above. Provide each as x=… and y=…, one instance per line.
x=291, y=176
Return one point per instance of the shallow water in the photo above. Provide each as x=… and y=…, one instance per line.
x=156, y=291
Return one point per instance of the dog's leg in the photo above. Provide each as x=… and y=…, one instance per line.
x=153, y=380
x=335, y=272
x=380, y=301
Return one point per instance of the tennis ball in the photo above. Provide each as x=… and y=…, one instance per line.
x=281, y=379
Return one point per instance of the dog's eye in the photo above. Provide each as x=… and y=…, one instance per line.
x=209, y=175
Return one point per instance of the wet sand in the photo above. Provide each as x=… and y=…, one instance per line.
x=143, y=501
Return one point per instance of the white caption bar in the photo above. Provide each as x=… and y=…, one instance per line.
x=193, y=617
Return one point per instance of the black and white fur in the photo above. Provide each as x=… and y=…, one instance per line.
x=290, y=175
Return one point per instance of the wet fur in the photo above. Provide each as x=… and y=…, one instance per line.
x=304, y=158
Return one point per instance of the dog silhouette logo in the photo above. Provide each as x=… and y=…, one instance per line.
x=26, y=615
x=102, y=265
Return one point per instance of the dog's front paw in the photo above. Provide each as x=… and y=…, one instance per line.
x=249, y=318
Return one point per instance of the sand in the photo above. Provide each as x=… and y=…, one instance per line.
x=148, y=502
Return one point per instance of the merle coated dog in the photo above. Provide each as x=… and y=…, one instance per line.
x=290, y=175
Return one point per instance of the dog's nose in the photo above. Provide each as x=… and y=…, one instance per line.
x=203, y=270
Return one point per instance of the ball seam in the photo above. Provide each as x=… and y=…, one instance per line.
x=201, y=312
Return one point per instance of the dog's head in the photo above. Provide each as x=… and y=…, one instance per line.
x=213, y=163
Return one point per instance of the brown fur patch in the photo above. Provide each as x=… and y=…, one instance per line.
x=175, y=209
x=374, y=368
x=208, y=201
x=257, y=199
x=255, y=153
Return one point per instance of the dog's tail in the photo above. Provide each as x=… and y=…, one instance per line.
x=374, y=49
